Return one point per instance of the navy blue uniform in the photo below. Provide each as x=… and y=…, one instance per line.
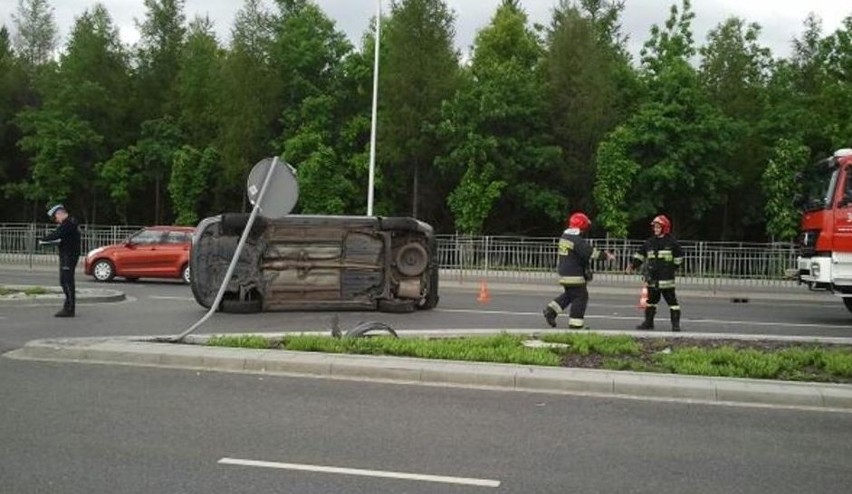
x=662, y=257
x=575, y=256
x=68, y=235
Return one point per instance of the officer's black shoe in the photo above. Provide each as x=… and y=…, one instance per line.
x=550, y=316
x=64, y=313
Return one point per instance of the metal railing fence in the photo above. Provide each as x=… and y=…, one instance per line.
x=534, y=259
x=503, y=257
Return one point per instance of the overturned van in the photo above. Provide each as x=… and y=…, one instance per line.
x=304, y=262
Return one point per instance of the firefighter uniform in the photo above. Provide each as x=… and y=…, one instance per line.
x=662, y=256
x=575, y=256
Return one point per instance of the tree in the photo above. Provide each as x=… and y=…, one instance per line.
x=249, y=104
x=591, y=88
x=311, y=61
x=191, y=174
x=162, y=34
x=199, y=84
x=419, y=70
x=679, y=140
x=36, y=35
x=496, y=134
x=79, y=121
x=781, y=187
x=734, y=72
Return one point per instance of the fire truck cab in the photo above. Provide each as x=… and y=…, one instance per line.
x=825, y=260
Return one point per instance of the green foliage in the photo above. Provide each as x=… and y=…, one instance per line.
x=191, y=174
x=782, y=187
x=36, y=35
x=503, y=348
x=241, y=341
x=419, y=70
x=615, y=175
x=588, y=343
x=800, y=363
x=533, y=123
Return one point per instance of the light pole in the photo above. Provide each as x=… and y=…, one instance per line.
x=375, y=105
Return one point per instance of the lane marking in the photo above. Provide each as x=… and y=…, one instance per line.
x=182, y=299
x=638, y=316
x=363, y=473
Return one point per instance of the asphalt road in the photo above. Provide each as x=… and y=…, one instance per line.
x=167, y=307
x=88, y=429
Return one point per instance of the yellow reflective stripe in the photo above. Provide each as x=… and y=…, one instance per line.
x=553, y=305
x=572, y=280
x=639, y=256
x=595, y=253
x=666, y=283
x=678, y=261
x=565, y=246
x=675, y=308
x=575, y=323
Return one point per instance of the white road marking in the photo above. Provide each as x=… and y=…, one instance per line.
x=182, y=299
x=363, y=473
x=638, y=316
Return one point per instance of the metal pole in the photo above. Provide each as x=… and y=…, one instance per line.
x=233, y=265
x=375, y=105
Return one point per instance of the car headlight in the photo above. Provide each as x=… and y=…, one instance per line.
x=815, y=269
x=95, y=252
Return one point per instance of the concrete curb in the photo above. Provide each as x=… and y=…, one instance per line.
x=130, y=351
x=84, y=295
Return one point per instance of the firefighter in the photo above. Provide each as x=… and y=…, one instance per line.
x=575, y=255
x=662, y=256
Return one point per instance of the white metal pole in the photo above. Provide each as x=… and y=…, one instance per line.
x=375, y=105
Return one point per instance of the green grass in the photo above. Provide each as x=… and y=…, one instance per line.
x=619, y=352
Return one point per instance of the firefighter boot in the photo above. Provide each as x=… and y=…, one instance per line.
x=675, y=320
x=550, y=316
x=648, y=323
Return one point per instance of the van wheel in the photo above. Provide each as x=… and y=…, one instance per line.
x=103, y=270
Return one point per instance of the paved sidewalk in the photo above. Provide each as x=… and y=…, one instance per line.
x=149, y=352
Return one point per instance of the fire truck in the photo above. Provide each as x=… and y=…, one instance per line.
x=825, y=241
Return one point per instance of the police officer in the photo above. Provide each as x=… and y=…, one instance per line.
x=575, y=255
x=662, y=256
x=67, y=235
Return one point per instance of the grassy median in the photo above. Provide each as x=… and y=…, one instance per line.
x=764, y=359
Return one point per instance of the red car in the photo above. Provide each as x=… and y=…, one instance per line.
x=153, y=252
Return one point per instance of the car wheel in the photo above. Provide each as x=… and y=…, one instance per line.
x=185, y=274
x=103, y=270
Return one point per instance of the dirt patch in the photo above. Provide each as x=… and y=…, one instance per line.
x=651, y=349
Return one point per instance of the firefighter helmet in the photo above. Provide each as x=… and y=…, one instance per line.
x=663, y=222
x=579, y=221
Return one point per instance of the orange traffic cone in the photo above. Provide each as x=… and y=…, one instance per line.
x=484, y=297
x=643, y=298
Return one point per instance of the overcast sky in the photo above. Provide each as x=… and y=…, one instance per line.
x=782, y=20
